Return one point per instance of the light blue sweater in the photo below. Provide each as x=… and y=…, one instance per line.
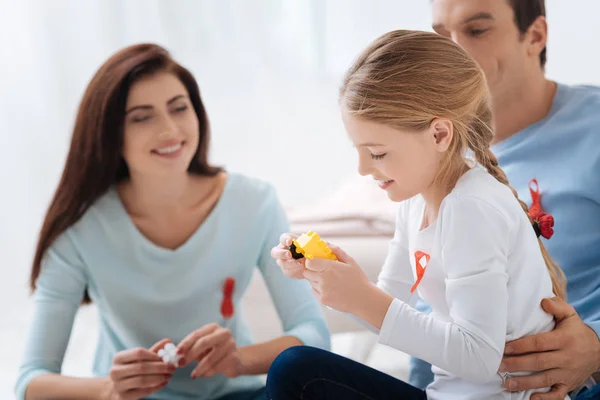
x=145, y=293
x=562, y=152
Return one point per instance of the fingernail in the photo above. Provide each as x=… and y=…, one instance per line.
x=508, y=350
x=193, y=375
x=502, y=367
x=512, y=385
x=171, y=368
x=181, y=362
x=287, y=255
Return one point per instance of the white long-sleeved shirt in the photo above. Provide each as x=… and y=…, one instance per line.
x=484, y=278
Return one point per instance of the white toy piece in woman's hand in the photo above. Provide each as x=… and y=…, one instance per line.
x=169, y=354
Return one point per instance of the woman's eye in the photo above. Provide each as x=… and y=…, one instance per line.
x=180, y=109
x=140, y=118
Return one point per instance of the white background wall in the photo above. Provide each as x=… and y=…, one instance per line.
x=268, y=71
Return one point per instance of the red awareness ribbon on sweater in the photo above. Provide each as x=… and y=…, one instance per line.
x=227, y=303
x=542, y=221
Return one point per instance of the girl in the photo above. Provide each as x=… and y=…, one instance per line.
x=416, y=107
x=165, y=245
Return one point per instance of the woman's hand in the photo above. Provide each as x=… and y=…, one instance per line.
x=215, y=350
x=290, y=267
x=137, y=373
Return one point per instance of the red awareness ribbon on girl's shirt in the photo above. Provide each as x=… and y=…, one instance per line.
x=421, y=261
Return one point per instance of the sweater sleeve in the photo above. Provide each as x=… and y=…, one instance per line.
x=299, y=311
x=470, y=343
x=59, y=291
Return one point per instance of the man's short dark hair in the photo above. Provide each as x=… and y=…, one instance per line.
x=526, y=12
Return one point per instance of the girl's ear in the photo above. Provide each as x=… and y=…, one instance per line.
x=441, y=132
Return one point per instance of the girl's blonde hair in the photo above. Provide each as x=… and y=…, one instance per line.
x=406, y=79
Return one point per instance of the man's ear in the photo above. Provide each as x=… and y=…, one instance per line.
x=537, y=36
x=441, y=131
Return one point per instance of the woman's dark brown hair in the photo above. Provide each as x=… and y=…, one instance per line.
x=95, y=161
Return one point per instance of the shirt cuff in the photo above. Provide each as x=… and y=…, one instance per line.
x=389, y=332
x=24, y=381
x=313, y=334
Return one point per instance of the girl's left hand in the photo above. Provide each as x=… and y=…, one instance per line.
x=214, y=348
x=337, y=284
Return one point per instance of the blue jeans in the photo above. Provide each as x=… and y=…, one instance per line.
x=308, y=373
x=590, y=394
x=254, y=395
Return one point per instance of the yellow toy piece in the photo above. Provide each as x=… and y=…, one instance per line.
x=311, y=246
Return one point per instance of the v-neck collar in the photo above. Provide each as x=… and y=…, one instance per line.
x=191, y=240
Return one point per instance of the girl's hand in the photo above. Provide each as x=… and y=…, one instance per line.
x=137, y=373
x=290, y=267
x=341, y=284
x=214, y=348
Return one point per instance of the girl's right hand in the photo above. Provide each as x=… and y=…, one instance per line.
x=290, y=267
x=137, y=373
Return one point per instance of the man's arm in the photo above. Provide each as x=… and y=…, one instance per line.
x=564, y=358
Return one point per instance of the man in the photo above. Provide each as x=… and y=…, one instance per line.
x=548, y=132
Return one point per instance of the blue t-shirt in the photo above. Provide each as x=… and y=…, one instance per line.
x=145, y=293
x=562, y=152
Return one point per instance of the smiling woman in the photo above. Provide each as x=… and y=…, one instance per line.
x=142, y=225
x=104, y=146
x=168, y=116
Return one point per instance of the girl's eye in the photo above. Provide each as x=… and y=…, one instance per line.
x=378, y=156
